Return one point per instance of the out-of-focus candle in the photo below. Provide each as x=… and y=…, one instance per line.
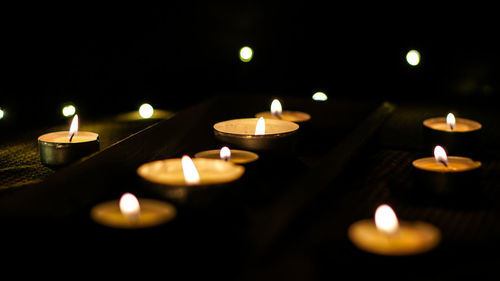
x=130, y=212
x=277, y=112
x=64, y=147
x=459, y=135
x=233, y=155
x=387, y=236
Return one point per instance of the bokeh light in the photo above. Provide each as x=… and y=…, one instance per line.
x=146, y=110
x=320, y=96
x=2, y=113
x=413, y=57
x=68, y=110
x=246, y=54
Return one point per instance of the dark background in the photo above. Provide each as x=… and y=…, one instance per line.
x=110, y=59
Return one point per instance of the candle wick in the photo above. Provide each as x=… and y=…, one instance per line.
x=71, y=138
x=452, y=127
x=277, y=115
x=443, y=162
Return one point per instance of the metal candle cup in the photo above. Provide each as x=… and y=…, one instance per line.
x=463, y=139
x=279, y=136
x=56, y=150
x=459, y=177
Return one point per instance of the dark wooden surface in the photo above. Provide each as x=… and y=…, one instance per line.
x=287, y=217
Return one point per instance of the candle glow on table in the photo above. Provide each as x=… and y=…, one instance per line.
x=387, y=236
x=64, y=147
x=130, y=212
x=233, y=155
x=277, y=112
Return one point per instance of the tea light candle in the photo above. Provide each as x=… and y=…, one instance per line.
x=177, y=178
x=459, y=135
x=277, y=112
x=235, y=156
x=446, y=174
x=257, y=133
x=387, y=236
x=64, y=147
x=130, y=212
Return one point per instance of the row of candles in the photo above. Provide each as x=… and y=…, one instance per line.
x=384, y=235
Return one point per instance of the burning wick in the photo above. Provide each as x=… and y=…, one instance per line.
x=386, y=220
x=276, y=109
x=129, y=206
x=73, y=129
x=450, y=121
x=225, y=153
x=440, y=155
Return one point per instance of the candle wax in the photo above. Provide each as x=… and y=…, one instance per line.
x=455, y=164
x=246, y=126
x=170, y=172
x=462, y=124
x=410, y=239
x=237, y=156
x=152, y=213
x=287, y=115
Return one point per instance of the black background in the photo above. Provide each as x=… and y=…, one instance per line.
x=109, y=59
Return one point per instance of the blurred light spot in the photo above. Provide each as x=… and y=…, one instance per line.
x=68, y=110
x=320, y=96
x=2, y=113
x=413, y=57
x=246, y=54
x=146, y=110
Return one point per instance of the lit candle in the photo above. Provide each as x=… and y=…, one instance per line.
x=177, y=178
x=257, y=134
x=233, y=155
x=387, y=236
x=277, y=112
x=130, y=212
x=446, y=174
x=459, y=135
x=64, y=147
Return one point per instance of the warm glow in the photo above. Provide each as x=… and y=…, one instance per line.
x=440, y=155
x=68, y=110
x=129, y=206
x=2, y=113
x=246, y=54
x=146, y=110
x=450, y=121
x=386, y=220
x=191, y=175
x=413, y=57
x=73, y=129
x=260, y=128
x=276, y=108
x=320, y=96
x=225, y=153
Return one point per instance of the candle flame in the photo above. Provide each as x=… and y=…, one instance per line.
x=129, y=206
x=450, y=121
x=73, y=129
x=191, y=175
x=225, y=153
x=440, y=155
x=260, y=128
x=276, y=109
x=386, y=220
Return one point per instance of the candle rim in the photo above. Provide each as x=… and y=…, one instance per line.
x=43, y=138
x=475, y=125
x=205, y=153
x=476, y=164
x=239, y=171
x=292, y=128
